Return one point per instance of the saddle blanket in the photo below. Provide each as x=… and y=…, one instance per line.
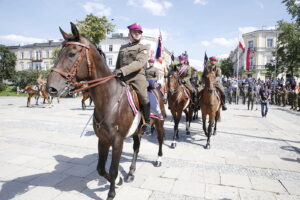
x=155, y=111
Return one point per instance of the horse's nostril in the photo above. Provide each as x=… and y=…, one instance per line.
x=52, y=91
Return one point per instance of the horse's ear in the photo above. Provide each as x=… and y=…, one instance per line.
x=64, y=34
x=75, y=31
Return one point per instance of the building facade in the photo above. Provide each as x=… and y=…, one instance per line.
x=262, y=44
x=37, y=56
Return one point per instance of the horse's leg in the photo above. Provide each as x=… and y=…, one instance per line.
x=114, y=166
x=28, y=100
x=136, y=148
x=216, y=120
x=103, y=149
x=175, y=135
x=83, y=103
x=37, y=100
x=91, y=101
x=212, y=117
x=159, y=125
x=204, y=123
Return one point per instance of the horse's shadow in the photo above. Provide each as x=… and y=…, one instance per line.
x=63, y=181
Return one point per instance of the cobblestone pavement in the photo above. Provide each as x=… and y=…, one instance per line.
x=42, y=156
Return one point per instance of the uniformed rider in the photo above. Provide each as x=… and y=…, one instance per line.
x=131, y=64
x=213, y=67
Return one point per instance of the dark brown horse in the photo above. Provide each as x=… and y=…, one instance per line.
x=210, y=104
x=79, y=60
x=33, y=91
x=179, y=101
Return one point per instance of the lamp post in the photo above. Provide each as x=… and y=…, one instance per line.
x=275, y=65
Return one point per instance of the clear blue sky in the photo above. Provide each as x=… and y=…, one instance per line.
x=192, y=25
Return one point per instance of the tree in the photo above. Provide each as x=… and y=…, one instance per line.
x=95, y=28
x=7, y=63
x=293, y=7
x=288, y=47
x=226, y=66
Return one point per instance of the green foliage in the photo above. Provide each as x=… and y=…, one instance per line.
x=293, y=8
x=95, y=28
x=226, y=66
x=11, y=91
x=2, y=87
x=24, y=78
x=7, y=63
x=288, y=48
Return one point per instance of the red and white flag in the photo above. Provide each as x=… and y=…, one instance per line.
x=241, y=43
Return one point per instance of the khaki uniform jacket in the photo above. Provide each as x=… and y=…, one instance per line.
x=132, y=61
x=152, y=73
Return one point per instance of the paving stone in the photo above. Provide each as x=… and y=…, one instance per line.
x=235, y=180
x=189, y=188
x=247, y=194
x=293, y=187
x=221, y=192
x=39, y=193
x=129, y=193
x=267, y=185
x=158, y=184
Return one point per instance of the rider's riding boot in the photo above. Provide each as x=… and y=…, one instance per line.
x=223, y=102
x=146, y=128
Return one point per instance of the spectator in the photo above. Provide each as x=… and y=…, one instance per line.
x=264, y=96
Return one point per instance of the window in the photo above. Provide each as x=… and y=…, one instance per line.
x=269, y=43
x=110, y=61
x=22, y=55
x=250, y=44
x=47, y=54
x=22, y=65
x=46, y=65
x=110, y=47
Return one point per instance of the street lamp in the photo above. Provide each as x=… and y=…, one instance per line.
x=275, y=65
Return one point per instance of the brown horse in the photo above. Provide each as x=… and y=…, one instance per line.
x=179, y=101
x=114, y=120
x=33, y=91
x=210, y=104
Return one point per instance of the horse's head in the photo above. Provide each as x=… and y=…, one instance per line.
x=75, y=62
x=210, y=81
x=173, y=82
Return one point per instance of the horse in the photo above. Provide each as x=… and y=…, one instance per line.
x=113, y=120
x=32, y=90
x=86, y=95
x=210, y=104
x=179, y=101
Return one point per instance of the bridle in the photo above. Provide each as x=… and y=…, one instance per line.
x=71, y=75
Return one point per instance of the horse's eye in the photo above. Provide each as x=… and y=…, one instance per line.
x=71, y=54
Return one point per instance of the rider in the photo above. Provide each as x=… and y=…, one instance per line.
x=185, y=73
x=151, y=71
x=131, y=64
x=213, y=67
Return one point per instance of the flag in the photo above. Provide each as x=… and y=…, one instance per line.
x=248, y=59
x=205, y=59
x=241, y=43
x=159, y=50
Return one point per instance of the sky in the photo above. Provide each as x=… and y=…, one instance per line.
x=195, y=26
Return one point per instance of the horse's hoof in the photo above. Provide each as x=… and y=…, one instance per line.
x=188, y=133
x=207, y=146
x=129, y=178
x=173, y=145
x=215, y=133
x=157, y=164
x=120, y=182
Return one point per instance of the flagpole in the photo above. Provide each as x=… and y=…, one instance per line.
x=238, y=63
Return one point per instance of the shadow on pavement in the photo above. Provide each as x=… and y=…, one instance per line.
x=63, y=181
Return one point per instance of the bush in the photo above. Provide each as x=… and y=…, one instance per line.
x=2, y=87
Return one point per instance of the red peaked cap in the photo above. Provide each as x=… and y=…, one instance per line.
x=135, y=26
x=151, y=60
x=213, y=58
x=182, y=57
